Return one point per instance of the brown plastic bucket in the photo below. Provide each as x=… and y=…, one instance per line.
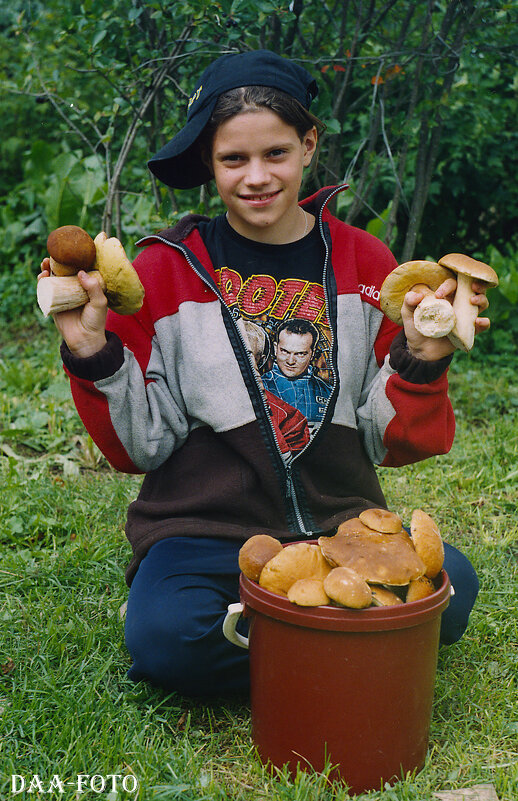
x=348, y=688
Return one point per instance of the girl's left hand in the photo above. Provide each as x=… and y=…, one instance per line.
x=430, y=349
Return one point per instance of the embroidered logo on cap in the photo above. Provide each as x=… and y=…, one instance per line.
x=194, y=97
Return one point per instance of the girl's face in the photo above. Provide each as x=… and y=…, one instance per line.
x=258, y=161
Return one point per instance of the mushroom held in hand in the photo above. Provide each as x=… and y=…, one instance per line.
x=114, y=271
x=70, y=249
x=433, y=317
x=124, y=291
x=468, y=270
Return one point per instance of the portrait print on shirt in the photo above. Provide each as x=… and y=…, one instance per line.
x=289, y=338
x=276, y=292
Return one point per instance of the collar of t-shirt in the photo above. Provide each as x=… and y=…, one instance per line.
x=301, y=259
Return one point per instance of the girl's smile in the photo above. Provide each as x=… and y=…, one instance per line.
x=258, y=162
x=258, y=199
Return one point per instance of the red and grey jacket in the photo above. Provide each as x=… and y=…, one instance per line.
x=174, y=394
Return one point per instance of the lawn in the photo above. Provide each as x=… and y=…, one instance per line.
x=66, y=707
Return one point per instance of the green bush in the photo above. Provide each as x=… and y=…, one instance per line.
x=501, y=342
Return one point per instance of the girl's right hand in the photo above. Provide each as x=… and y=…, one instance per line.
x=84, y=328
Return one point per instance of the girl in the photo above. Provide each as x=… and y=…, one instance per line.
x=275, y=289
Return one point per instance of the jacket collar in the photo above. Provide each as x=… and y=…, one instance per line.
x=316, y=203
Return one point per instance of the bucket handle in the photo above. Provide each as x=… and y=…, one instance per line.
x=234, y=612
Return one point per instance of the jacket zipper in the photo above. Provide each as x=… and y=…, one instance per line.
x=290, y=491
x=290, y=488
x=292, y=495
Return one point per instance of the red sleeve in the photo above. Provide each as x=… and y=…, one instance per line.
x=424, y=423
x=93, y=409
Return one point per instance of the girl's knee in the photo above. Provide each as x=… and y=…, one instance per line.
x=170, y=654
x=161, y=650
x=465, y=584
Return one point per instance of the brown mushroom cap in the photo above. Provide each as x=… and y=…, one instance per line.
x=71, y=248
x=352, y=526
x=296, y=561
x=346, y=588
x=427, y=542
x=378, y=558
x=381, y=596
x=308, y=592
x=255, y=553
x=462, y=335
x=465, y=265
x=419, y=588
x=381, y=520
x=403, y=278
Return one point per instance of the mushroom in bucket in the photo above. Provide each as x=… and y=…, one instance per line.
x=370, y=561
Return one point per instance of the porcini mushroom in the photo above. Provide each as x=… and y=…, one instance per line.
x=467, y=269
x=377, y=558
x=70, y=249
x=115, y=273
x=433, y=317
x=419, y=588
x=255, y=553
x=345, y=587
x=297, y=561
x=352, y=526
x=308, y=592
x=381, y=596
x=427, y=542
x=381, y=520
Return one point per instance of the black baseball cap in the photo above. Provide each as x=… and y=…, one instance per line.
x=178, y=164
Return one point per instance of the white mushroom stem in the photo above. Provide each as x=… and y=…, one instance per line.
x=433, y=317
x=62, y=269
x=463, y=333
x=63, y=292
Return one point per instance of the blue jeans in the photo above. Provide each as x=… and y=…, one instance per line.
x=179, y=598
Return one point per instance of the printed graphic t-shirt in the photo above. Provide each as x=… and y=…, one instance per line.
x=278, y=292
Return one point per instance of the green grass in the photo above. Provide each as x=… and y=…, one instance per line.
x=66, y=706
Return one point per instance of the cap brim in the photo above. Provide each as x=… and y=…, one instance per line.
x=179, y=164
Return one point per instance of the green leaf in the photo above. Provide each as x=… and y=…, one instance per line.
x=98, y=38
x=333, y=126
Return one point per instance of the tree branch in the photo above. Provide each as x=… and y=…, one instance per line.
x=135, y=125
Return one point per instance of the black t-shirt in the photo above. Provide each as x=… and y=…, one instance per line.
x=278, y=290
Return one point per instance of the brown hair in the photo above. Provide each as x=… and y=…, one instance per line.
x=298, y=325
x=254, y=98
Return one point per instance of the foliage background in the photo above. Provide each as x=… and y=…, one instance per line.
x=420, y=102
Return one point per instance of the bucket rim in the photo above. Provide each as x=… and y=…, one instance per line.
x=331, y=618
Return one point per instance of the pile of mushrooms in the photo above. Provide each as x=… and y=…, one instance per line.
x=72, y=249
x=370, y=561
x=436, y=317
